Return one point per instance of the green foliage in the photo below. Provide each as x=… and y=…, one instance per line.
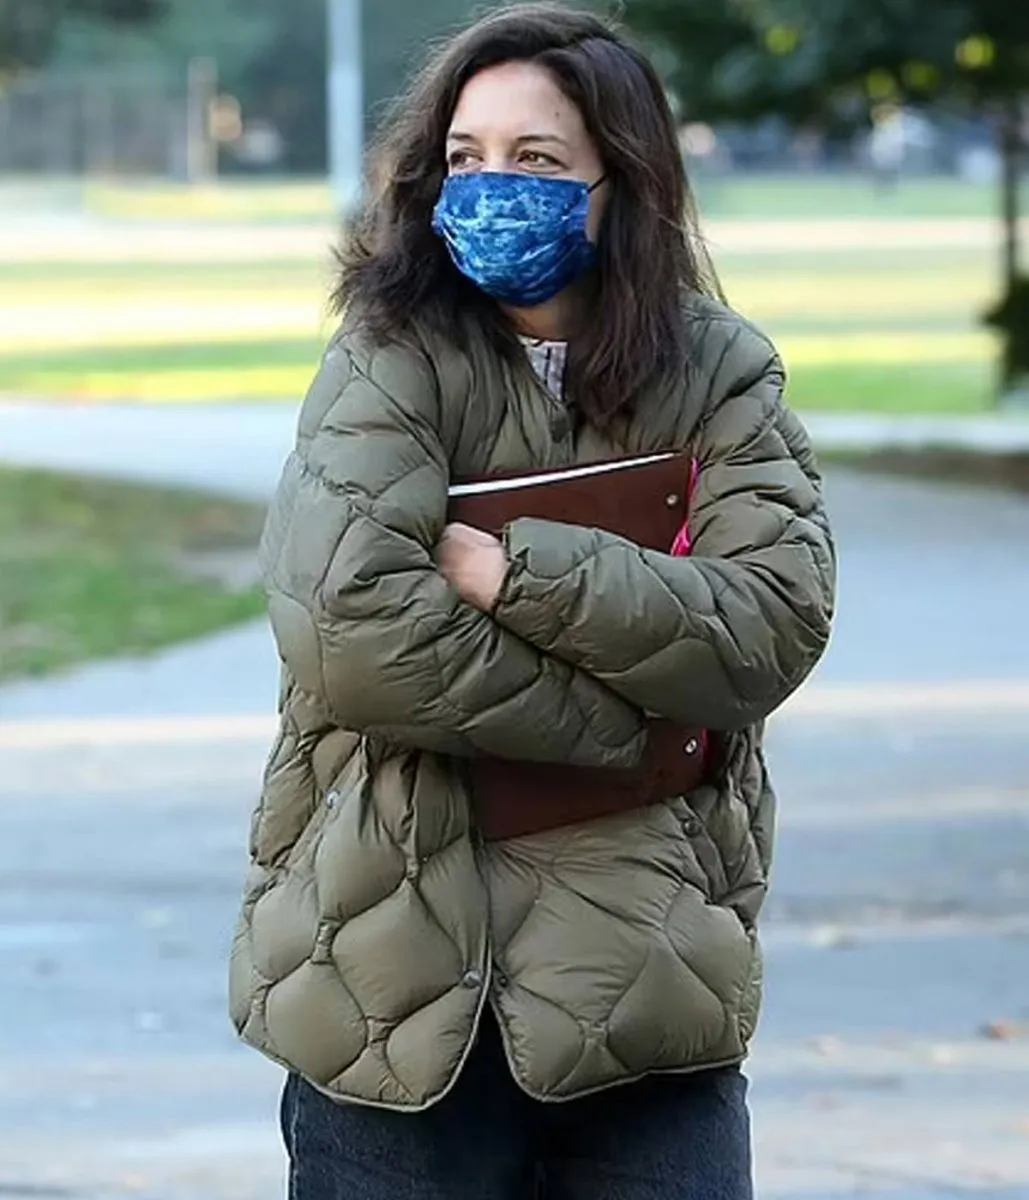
x=398, y=35
x=270, y=54
x=828, y=60
x=29, y=28
x=283, y=81
x=232, y=32
x=716, y=60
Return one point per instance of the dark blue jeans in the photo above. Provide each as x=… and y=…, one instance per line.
x=684, y=1137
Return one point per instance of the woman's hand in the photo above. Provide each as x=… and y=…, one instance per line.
x=473, y=563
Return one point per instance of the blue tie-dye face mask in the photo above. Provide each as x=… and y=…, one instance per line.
x=520, y=238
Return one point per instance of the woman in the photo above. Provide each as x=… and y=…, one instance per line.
x=522, y=292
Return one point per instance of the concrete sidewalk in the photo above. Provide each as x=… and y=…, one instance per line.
x=1002, y=433
x=236, y=449
x=240, y=448
x=898, y=927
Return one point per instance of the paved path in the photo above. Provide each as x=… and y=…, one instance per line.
x=239, y=447
x=898, y=925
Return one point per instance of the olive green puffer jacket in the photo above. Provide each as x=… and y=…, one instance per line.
x=376, y=925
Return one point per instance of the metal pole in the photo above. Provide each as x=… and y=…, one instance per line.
x=5, y=132
x=346, y=103
x=201, y=152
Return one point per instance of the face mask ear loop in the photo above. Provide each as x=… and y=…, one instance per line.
x=593, y=186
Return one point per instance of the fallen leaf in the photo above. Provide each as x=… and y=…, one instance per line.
x=1003, y=1031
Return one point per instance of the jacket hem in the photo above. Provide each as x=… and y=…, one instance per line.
x=382, y=1106
x=582, y=1093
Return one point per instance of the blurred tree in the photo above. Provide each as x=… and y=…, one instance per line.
x=833, y=61
x=283, y=79
x=398, y=35
x=257, y=45
x=231, y=32
x=29, y=28
x=271, y=55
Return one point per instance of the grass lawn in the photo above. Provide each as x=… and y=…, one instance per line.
x=860, y=330
x=92, y=568
x=183, y=372
x=780, y=197
x=917, y=390
x=791, y=197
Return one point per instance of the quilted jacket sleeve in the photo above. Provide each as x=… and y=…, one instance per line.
x=361, y=616
x=719, y=639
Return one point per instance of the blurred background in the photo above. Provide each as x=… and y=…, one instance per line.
x=172, y=174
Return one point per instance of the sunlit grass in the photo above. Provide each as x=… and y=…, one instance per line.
x=887, y=331
x=883, y=371
x=771, y=196
x=915, y=388
x=792, y=197
x=248, y=201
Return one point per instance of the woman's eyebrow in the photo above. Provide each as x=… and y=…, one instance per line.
x=457, y=135
x=542, y=137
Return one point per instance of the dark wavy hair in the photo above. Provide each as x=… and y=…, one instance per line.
x=397, y=275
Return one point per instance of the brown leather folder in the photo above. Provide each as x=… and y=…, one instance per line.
x=644, y=500
x=641, y=499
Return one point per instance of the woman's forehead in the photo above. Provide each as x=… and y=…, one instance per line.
x=518, y=101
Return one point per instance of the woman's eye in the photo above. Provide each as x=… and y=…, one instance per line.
x=459, y=160
x=536, y=158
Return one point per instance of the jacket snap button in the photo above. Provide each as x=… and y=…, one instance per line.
x=690, y=826
x=692, y=746
x=671, y=500
x=472, y=979
x=333, y=798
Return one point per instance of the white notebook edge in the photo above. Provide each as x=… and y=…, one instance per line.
x=583, y=471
